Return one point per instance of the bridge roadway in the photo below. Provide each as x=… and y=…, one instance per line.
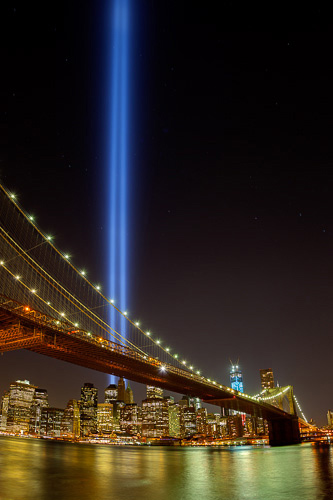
x=23, y=328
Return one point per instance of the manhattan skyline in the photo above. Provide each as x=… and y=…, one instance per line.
x=231, y=224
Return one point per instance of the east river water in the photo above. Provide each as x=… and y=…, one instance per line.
x=36, y=469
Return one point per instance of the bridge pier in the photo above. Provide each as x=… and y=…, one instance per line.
x=283, y=431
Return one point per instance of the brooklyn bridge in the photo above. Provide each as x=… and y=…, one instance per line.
x=48, y=306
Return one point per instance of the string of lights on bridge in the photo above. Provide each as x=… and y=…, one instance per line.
x=83, y=273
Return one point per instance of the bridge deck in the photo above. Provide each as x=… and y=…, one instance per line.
x=23, y=328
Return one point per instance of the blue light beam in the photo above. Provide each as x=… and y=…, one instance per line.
x=118, y=157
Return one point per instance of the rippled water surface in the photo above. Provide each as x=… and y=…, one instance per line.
x=34, y=469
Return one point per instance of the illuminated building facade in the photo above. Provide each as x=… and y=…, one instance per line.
x=267, y=378
x=330, y=418
x=51, y=422
x=129, y=419
x=111, y=394
x=154, y=392
x=155, y=417
x=88, y=409
x=4, y=411
x=21, y=395
x=176, y=421
x=105, y=419
x=213, y=427
x=235, y=426
x=70, y=422
x=236, y=378
x=201, y=421
x=40, y=401
x=190, y=421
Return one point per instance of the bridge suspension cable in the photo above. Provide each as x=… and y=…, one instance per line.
x=34, y=270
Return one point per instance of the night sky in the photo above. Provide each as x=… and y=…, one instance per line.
x=231, y=230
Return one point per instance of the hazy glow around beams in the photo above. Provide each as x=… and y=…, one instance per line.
x=118, y=158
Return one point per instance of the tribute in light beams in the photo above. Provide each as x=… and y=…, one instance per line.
x=119, y=168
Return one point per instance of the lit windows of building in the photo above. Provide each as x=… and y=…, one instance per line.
x=235, y=426
x=51, y=422
x=330, y=418
x=154, y=392
x=40, y=401
x=21, y=395
x=4, y=411
x=236, y=378
x=213, y=425
x=105, y=418
x=190, y=421
x=70, y=422
x=129, y=419
x=201, y=421
x=155, y=417
x=88, y=409
x=267, y=378
x=176, y=421
x=111, y=394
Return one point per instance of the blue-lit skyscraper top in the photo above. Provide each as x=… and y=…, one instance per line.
x=236, y=378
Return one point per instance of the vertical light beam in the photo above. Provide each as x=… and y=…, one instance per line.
x=119, y=143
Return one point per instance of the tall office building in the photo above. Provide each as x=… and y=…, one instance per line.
x=51, y=422
x=128, y=395
x=21, y=395
x=155, y=417
x=4, y=411
x=129, y=419
x=176, y=422
x=105, y=418
x=236, y=378
x=88, y=409
x=154, y=392
x=70, y=422
x=121, y=389
x=39, y=402
x=189, y=421
x=111, y=394
x=267, y=378
x=330, y=418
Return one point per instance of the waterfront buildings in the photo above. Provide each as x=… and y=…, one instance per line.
x=21, y=396
x=40, y=401
x=70, y=422
x=51, y=422
x=88, y=409
x=105, y=419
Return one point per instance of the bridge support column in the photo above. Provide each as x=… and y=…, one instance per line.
x=283, y=431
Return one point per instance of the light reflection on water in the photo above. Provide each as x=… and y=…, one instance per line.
x=33, y=469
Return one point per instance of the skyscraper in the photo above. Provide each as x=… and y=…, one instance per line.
x=121, y=389
x=128, y=395
x=21, y=395
x=39, y=402
x=70, y=422
x=267, y=378
x=88, y=409
x=111, y=394
x=236, y=378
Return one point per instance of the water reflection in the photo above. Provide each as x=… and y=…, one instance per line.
x=31, y=469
